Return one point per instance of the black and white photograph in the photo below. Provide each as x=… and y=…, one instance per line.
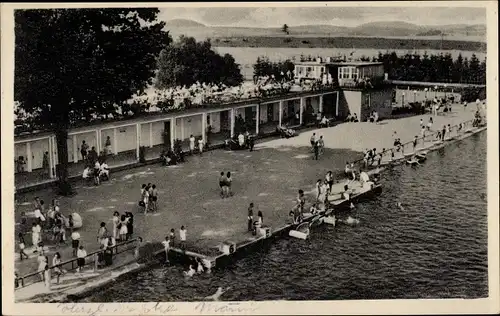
x=250, y=158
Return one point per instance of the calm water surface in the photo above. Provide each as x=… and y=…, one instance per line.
x=435, y=248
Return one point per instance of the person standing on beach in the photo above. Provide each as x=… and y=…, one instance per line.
x=250, y=218
x=429, y=125
x=415, y=141
x=443, y=132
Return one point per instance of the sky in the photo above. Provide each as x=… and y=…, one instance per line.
x=341, y=16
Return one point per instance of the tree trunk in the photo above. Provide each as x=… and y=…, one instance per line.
x=64, y=186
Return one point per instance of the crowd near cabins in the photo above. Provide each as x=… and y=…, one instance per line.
x=358, y=88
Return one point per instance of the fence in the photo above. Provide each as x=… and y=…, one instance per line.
x=429, y=138
x=72, y=264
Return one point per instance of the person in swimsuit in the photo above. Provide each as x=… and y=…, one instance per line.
x=329, y=180
x=222, y=184
x=154, y=198
x=229, y=181
x=444, y=132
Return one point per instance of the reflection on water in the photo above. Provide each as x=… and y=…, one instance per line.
x=434, y=246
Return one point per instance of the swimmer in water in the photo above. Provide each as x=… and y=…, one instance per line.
x=349, y=221
x=191, y=271
x=400, y=206
x=216, y=296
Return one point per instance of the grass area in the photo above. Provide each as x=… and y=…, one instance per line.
x=349, y=42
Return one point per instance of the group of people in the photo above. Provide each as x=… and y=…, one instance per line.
x=225, y=182
x=317, y=145
x=371, y=156
x=203, y=93
x=252, y=225
x=96, y=168
x=149, y=198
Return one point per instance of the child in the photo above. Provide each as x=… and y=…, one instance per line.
x=182, y=236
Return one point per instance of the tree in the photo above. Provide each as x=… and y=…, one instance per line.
x=186, y=62
x=284, y=29
x=72, y=63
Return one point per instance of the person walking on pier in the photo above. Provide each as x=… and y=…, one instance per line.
x=429, y=125
x=415, y=141
x=250, y=218
x=223, y=184
x=182, y=237
x=443, y=132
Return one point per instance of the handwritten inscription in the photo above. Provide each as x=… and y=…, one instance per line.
x=102, y=309
x=225, y=308
x=155, y=309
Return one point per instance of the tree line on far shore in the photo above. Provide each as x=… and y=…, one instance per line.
x=408, y=67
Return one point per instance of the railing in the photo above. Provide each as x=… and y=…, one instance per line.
x=429, y=138
x=70, y=265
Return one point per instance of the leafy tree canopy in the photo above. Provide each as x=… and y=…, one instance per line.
x=73, y=63
x=187, y=61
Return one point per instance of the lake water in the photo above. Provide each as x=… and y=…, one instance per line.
x=247, y=56
x=435, y=248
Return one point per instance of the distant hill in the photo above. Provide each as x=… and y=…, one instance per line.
x=390, y=29
x=184, y=23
